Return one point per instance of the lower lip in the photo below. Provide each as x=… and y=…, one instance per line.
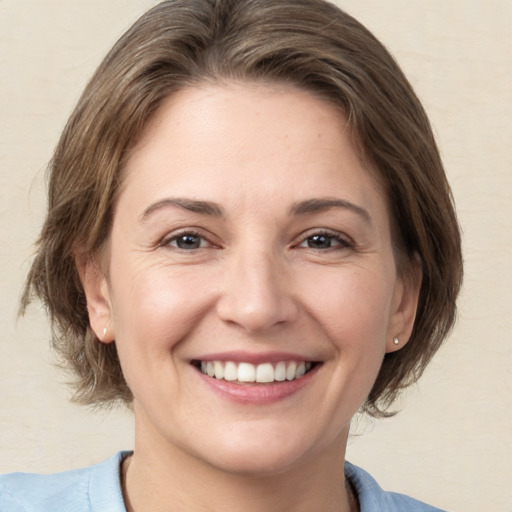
x=259, y=394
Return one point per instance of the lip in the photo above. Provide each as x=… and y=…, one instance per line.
x=252, y=393
x=254, y=358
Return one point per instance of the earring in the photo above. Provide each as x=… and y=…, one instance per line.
x=395, y=341
x=104, y=332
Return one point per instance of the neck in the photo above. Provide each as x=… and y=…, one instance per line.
x=165, y=478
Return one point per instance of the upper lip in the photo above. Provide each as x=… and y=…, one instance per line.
x=253, y=358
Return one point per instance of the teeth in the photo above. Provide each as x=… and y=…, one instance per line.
x=219, y=370
x=280, y=372
x=246, y=372
x=230, y=371
x=265, y=373
x=290, y=370
x=262, y=373
x=301, y=370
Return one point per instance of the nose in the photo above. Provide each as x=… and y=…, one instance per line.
x=257, y=293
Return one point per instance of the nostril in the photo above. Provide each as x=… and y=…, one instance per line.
x=257, y=313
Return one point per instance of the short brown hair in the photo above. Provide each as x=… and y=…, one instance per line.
x=308, y=43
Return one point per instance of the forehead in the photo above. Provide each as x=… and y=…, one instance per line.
x=250, y=142
x=194, y=111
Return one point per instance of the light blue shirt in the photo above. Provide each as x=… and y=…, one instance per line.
x=98, y=489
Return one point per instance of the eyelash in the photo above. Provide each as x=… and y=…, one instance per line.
x=341, y=241
x=185, y=233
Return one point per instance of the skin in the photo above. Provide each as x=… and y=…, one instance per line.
x=256, y=283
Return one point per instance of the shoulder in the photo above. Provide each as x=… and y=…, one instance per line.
x=373, y=498
x=88, y=489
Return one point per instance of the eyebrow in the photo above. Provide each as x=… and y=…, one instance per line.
x=310, y=206
x=192, y=205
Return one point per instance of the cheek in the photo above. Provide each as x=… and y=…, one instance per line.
x=352, y=305
x=156, y=307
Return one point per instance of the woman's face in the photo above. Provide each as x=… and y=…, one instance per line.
x=249, y=242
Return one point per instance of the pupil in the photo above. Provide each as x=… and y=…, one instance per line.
x=319, y=242
x=188, y=242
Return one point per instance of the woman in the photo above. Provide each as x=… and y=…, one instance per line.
x=250, y=237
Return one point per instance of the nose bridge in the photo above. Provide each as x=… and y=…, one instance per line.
x=256, y=294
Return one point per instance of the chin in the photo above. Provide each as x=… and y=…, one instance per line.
x=261, y=452
x=256, y=462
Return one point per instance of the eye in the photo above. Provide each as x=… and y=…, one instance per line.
x=324, y=240
x=187, y=241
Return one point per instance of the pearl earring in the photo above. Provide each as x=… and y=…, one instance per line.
x=104, y=331
x=395, y=341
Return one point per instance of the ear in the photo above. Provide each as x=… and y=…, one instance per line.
x=405, y=304
x=99, y=305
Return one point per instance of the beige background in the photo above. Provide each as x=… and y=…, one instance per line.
x=452, y=444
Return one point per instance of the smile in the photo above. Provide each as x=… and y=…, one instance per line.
x=264, y=373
